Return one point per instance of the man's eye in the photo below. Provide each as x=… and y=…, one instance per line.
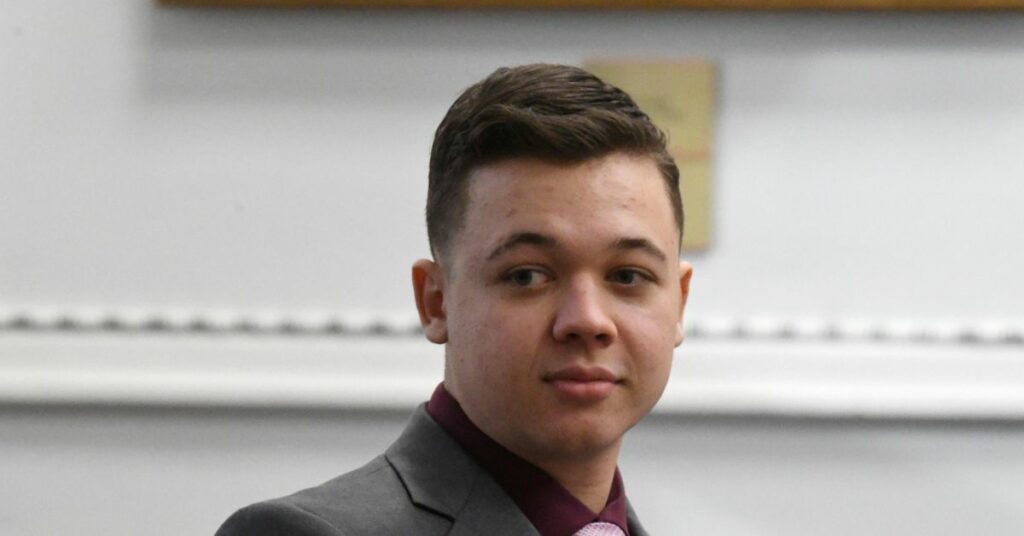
x=526, y=277
x=629, y=277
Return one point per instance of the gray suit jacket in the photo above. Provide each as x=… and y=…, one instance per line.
x=423, y=485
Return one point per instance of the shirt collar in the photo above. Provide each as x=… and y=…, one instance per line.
x=551, y=509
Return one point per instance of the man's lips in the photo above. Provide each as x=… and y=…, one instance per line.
x=583, y=384
x=579, y=373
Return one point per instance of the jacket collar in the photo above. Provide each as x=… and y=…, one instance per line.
x=635, y=528
x=441, y=477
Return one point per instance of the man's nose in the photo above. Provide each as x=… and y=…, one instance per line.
x=582, y=316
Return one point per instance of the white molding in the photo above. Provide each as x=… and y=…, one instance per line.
x=825, y=378
x=861, y=379
x=401, y=325
x=217, y=371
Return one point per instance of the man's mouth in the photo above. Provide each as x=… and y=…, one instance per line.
x=578, y=383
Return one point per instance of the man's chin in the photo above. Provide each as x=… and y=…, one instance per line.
x=574, y=442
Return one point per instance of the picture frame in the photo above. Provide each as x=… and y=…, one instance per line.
x=729, y=5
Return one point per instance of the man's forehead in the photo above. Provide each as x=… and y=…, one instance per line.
x=510, y=183
x=533, y=239
x=617, y=199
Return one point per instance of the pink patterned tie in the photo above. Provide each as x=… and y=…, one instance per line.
x=599, y=528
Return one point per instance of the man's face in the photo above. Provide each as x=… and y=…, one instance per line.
x=562, y=302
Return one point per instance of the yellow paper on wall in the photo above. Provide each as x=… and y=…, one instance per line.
x=679, y=97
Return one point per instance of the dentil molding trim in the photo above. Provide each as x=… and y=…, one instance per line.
x=814, y=368
x=403, y=325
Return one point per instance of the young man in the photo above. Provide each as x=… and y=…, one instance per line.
x=554, y=220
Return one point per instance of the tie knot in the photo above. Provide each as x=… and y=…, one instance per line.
x=600, y=528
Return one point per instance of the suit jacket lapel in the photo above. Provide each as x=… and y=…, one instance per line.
x=441, y=477
x=635, y=528
x=489, y=510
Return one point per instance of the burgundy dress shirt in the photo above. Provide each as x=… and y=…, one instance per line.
x=549, y=506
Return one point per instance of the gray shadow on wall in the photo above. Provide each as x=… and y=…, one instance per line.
x=330, y=54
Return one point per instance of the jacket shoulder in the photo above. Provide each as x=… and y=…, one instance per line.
x=276, y=518
x=369, y=500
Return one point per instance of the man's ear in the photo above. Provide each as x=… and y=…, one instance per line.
x=428, y=285
x=685, y=272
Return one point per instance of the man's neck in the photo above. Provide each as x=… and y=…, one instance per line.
x=594, y=484
x=589, y=479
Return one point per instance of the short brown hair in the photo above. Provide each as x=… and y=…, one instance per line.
x=556, y=113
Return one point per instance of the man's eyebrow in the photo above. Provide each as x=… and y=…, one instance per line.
x=642, y=244
x=520, y=239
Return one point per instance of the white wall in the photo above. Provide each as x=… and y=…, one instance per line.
x=152, y=159
x=129, y=472
x=867, y=165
